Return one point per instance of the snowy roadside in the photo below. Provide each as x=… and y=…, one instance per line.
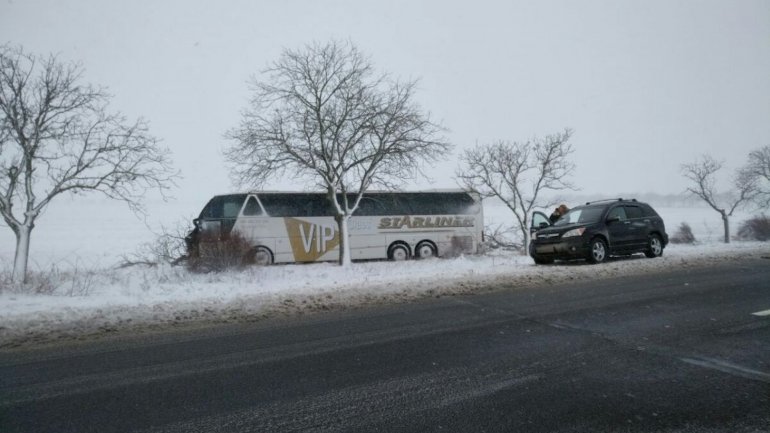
x=86, y=303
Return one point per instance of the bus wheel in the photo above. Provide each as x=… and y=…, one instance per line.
x=425, y=250
x=260, y=256
x=398, y=252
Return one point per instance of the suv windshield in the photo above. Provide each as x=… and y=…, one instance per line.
x=586, y=215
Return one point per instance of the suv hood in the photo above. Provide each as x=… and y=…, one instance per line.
x=550, y=232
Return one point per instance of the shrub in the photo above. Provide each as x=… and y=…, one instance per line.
x=683, y=235
x=217, y=255
x=38, y=283
x=755, y=229
x=74, y=282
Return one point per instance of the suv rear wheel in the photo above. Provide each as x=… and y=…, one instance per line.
x=654, y=247
x=598, y=251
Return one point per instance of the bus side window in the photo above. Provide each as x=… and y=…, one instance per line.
x=231, y=209
x=400, y=203
x=280, y=205
x=320, y=205
x=252, y=207
x=308, y=206
x=367, y=206
x=415, y=204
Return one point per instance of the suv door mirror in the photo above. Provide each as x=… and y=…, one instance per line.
x=613, y=219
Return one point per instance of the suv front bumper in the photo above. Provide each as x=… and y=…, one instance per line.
x=569, y=248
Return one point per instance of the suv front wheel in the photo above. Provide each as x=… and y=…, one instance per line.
x=654, y=247
x=598, y=251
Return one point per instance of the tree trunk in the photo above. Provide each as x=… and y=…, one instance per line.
x=21, y=258
x=726, y=222
x=525, y=236
x=342, y=224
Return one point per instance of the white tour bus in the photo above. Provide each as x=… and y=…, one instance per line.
x=288, y=227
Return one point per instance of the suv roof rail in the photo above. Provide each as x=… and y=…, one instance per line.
x=609, y=199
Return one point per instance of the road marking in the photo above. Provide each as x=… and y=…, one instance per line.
x=729, y=368
x=761, y=313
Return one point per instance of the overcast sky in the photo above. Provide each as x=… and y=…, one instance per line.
x=646, y=85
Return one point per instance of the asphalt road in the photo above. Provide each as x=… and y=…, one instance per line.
x=676, y=352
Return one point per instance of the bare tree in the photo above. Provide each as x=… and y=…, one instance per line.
x=518, y=173
x=758, y=167
x=56, y=136
x=702, y=173
x=325, y=117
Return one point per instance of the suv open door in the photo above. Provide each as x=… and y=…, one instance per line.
x=539, y=221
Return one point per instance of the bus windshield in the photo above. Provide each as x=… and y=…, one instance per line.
x=223, y=206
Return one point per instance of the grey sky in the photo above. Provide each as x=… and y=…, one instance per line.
x=646, y=85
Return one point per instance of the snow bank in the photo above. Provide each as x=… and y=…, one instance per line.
x=76, y=247
x=82, y=303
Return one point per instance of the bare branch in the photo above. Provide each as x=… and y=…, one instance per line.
x=57, y=136
x=517, y=173
x=324, y=115
x=702, y=173
x=758, y=169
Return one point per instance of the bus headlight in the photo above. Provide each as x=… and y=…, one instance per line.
x=574, y=232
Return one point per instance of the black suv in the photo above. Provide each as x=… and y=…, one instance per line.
x=598, y=230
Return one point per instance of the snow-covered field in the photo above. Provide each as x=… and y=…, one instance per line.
x=76, y=251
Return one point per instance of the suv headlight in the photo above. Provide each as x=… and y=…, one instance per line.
x=574, y=232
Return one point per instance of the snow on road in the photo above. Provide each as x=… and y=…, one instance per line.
x=86, y=302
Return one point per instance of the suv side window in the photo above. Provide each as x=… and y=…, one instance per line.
x=633, y=212
x=648, y=211
x=618, y=212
